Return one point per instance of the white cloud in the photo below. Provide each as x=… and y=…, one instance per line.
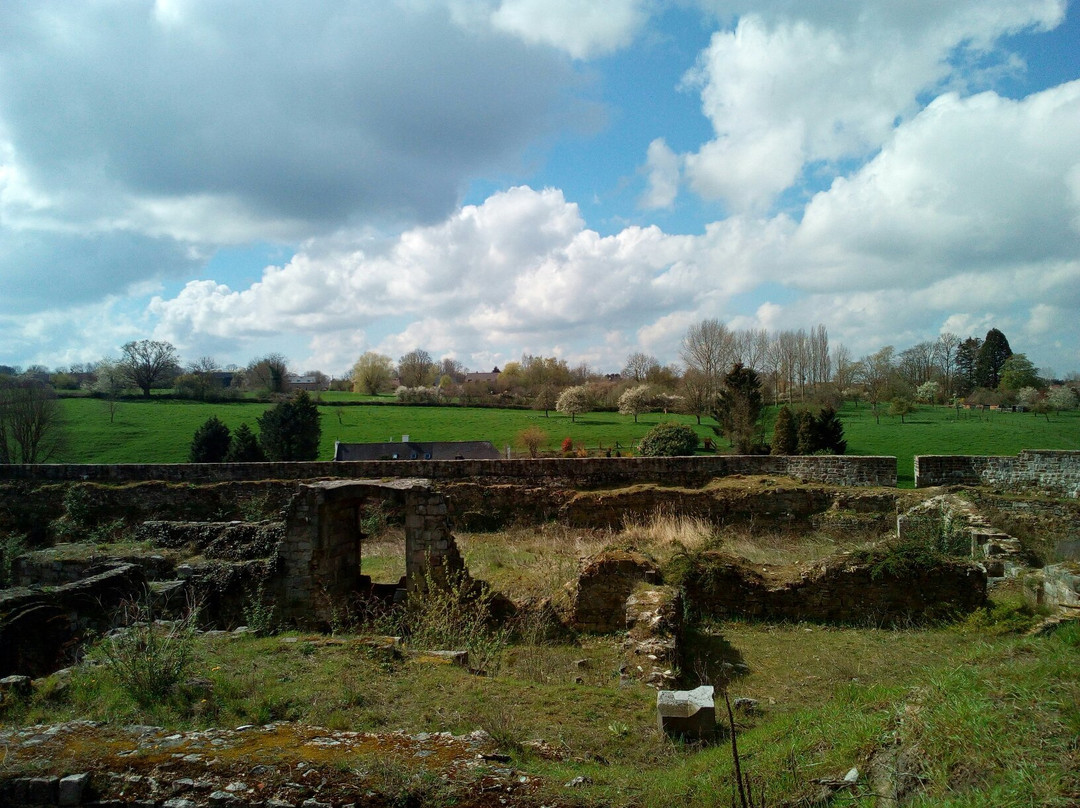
x=662, y=165
x=798, y=84
x=581, y=29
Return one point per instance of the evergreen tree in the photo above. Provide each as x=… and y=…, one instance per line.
x=291, y=430
x=244, y=447
x=785, y=433
x=967, y=355
x=830, y=432
x=210, y=443
x=806, y=435
x=992, y=355
x=738, y=407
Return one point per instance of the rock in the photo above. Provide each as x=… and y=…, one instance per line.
x=459, y=658
x=222, y=798
x=852, y=776
x=578, y=782
x=748, y=706
x=19, y=686
x=687, y=713
x=71, y=789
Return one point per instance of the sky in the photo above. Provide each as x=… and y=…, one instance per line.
x=483, y=179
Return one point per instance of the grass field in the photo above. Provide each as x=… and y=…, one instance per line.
x=160, y=431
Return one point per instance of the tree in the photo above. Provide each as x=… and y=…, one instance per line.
x=546, y=398
x=1028, y=397
x=110, y=384
x=708, y=348
x=635, y=400
x=1017, y=372
x=901, y=406
x=532, y=438
x=830, y=432
x=244, y=447
x=30, y=425
x=415, y=369
x=270, y=374
x=738, y=407
x=876, y=376
x=806, y=433
x=695, y=393
x=668, y=440
x=574, y=401
x=945, y=354
x=210, y=443
x=291, y=429
x=148, y=362
x=992, y=355
x=967, y=357
x=785, y=436
x=1062, y=398
x=372, y=373
x=928, y=392
x=639, y=366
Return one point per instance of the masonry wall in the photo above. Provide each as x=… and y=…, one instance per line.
x=1042, y=469
x=576, y=472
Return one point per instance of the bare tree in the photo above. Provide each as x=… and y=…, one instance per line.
x=709, y=349
x=30, y=423
x=877, y=372
x=843, y=367
x=639, y=366
x=147, y=362
x=945, y=355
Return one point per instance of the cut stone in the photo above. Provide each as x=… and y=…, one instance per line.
x=687, y=713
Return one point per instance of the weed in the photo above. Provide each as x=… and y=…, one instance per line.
x=12, y=545
x=260, y=615
x=150, y=658
x=456, y=615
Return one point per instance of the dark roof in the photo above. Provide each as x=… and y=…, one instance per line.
x=412, y=450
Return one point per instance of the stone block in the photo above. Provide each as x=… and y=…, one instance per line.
x=71, y=789
x=689, y=714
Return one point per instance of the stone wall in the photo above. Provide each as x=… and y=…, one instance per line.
x=834, y=591
x=589, y=472
x=322, y=547
x=1045, y=470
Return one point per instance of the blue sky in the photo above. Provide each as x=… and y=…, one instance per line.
x=486, y=178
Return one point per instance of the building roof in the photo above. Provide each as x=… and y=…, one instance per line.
x=414, y=450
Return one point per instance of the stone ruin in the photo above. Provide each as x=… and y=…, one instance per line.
x=308, y=566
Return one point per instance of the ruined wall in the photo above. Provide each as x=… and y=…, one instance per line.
x=1044, y=470
x=579, y=472
x=835, y=591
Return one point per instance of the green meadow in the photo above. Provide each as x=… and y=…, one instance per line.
x=160, y=430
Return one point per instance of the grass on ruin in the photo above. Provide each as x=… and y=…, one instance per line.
x=986, y=718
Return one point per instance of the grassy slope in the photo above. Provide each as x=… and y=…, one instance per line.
x=160, y=431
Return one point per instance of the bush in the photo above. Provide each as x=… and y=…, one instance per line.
x=668, y=440
x=785, y=437
x=244, y=447
x=12, y=546
x=532, y=438
x=291, y=430
x=567, y=445
x=210, y=443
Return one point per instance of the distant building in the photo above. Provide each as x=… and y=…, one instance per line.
x=414, y=450
x=484, y=378
x=305, y=382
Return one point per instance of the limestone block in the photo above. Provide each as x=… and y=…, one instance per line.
x=687, y=713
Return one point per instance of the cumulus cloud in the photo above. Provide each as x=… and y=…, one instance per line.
x=207, y=123
x=581, y=29
x=798, y=84
x=662, y=165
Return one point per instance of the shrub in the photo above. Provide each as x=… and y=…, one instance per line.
x=244, y=447
x=210, y=443
x=668, y=440
x=291, y=430
x=532, y=438
x=567, y=445
x=12, y=546
x=785, y=438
